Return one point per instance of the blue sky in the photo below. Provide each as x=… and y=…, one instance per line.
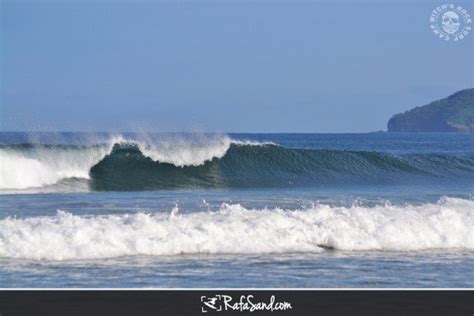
x=228, y=66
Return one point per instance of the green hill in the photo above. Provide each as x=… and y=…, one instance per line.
x=452, y=114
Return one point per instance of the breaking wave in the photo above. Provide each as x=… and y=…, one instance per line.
x=212, y=162
x=37, y=165
x=234, y=229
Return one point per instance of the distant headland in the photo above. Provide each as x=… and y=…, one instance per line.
x=452, y=114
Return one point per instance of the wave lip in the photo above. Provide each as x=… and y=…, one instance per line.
x=234, y=229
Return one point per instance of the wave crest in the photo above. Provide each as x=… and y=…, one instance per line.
x=213, y=162
x=33, y=166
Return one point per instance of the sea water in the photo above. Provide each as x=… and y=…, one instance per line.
x=236, y=210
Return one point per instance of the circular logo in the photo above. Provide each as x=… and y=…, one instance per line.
x=450, y=22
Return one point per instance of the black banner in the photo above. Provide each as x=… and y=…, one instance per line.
x=238, y=302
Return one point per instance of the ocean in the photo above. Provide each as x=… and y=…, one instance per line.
x=236, y=210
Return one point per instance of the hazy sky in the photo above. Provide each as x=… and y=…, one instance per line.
x=252, y=66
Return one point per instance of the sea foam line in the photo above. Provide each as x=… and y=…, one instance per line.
x=234, y=229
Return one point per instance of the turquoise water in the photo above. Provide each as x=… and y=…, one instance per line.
x=239, y=210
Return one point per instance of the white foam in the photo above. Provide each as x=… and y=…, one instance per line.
x=233, y=229
x=39, y=166
x=190, y=151
x=186, y=151
x=252, y=143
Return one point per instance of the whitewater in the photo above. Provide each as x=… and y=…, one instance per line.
x=233, y=229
